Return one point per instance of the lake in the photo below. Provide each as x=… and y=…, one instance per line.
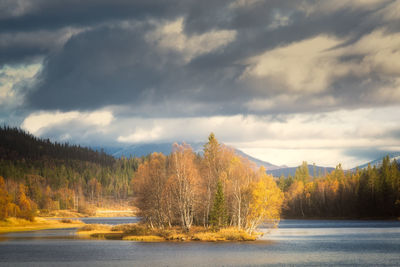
x=295, y=242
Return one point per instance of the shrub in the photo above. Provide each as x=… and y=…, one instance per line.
x=87, y=209
x=70, y=221
x=95, y=227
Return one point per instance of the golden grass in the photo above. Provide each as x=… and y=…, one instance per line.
x=19, y=225
x=61, y=214
x=95, y=227
x=225, y=234
x=94, y=230
x=144, y=238
x=99, y=212
x=112, y=236
x=233, y=234
x=138, y=232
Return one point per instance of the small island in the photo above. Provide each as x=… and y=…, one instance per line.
x=142, y=233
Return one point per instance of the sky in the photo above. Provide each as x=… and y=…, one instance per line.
x=284, y=81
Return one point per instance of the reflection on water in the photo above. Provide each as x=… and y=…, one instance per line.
x=295, y=242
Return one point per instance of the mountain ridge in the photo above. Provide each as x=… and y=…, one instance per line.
x=140, y=150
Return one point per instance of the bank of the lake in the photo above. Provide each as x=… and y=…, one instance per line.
x=19, y=225
x=129, y=232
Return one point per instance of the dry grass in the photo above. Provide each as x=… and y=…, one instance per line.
x=18, y=225
x=61, y=214
x=93, y=212
x=233, y=234
x=225, y=234
x=145, y=238
x=133, y=229
x=138, y=232
x=95, y=227
x=94, y=230
x=70, y=221
x=109, y=236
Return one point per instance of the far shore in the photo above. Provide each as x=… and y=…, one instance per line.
x=21, y=225
x=99, y=212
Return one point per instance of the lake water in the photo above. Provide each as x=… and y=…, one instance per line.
x=295, y=242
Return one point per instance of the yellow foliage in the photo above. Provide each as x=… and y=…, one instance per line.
x=266, y=203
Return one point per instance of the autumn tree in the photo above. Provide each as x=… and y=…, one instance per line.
x=240, y=175
x=5, y=200
x=27, y=208
x=150, y=186
x=184, y=181
x=94, y=187
x=265, y=204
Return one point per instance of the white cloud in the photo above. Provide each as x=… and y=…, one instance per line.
x=38, y=122
x=170, y=36
x=142, y=135
x=307, y=65
x=321, y=138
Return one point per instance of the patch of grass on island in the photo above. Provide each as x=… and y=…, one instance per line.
x=139, y=232
x=19, y=225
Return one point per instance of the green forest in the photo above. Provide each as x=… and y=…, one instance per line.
x=40, y=175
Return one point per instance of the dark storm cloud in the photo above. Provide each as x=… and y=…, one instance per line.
x=108, y=61
x=54, y=14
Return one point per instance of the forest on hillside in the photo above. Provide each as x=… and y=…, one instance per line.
x=54, y=176
x=373, y=192
x=37, y=174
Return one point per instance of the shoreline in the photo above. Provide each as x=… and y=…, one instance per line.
x=128, y=232
x=11, y=225
x=99, y=213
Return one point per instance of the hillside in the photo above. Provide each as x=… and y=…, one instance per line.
x=61, y=176
x=16, y=144
x=140, y=150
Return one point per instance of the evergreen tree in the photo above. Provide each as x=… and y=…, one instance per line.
x=218, y=215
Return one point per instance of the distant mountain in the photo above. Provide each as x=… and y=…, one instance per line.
x=145, y=149
x=268, y=166
x=292, y=170
x=378, y=162
x=166, y=148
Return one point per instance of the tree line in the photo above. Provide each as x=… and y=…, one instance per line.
x=217, y=189
x=373, y=192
